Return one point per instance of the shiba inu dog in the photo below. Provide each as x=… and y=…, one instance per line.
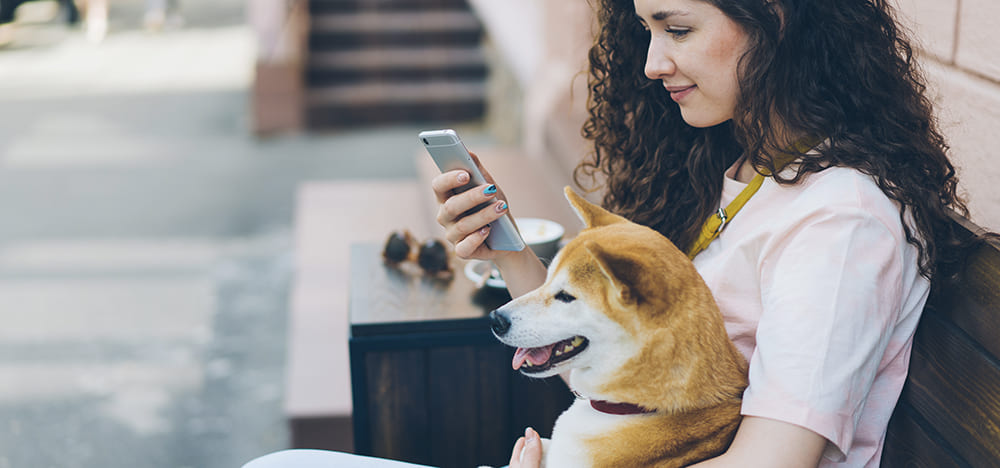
x=627, y=316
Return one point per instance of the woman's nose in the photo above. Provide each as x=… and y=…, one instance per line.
x=659, y=62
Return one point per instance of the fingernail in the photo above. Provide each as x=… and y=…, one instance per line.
x=501, y=207
x=530, y=436
x=490, y=190
x=485, y=230
x=463, y=177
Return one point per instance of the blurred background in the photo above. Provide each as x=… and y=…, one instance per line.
x=180, y=182
x=146, y=227
x=155, y=166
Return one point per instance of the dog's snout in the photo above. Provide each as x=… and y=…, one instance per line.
x=499, y=322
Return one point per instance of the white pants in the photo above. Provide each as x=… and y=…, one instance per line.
x=323, y=459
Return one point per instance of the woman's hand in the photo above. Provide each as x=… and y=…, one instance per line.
x=467, y=231
x=527, y=451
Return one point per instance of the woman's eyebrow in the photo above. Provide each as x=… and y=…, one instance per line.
x=664, y=14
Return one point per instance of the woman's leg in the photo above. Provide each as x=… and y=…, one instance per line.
x=323, y=459
x=97, y=20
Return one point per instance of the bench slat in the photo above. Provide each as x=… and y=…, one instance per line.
x=972, y=304
x=955, y=387
x=909, y=444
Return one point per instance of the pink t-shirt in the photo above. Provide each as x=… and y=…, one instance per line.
x=821, y=292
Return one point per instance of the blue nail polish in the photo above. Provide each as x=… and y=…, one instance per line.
x=490, y=190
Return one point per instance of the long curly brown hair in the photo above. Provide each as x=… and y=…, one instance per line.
x=838, y=69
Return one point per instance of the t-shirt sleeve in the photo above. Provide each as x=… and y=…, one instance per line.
x=830, y=293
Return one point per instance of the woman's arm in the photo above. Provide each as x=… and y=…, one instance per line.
x=763, y=442
x=522, y=271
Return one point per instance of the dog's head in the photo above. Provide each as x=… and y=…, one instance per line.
x=617, y=299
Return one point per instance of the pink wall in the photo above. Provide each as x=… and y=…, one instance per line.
x=960, y=51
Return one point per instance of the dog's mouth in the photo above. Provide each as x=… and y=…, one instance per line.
x=541, y=359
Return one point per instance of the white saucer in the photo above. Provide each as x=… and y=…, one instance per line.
x=475, y=269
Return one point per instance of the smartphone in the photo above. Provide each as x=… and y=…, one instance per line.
x=449, y=153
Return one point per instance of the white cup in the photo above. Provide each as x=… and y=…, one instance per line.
x=542, y=236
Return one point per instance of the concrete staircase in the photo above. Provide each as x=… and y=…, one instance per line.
x=393, y=61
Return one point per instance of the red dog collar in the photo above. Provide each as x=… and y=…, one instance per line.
x=618, y=408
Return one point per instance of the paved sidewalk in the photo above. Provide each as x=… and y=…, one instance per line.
x=145, y=243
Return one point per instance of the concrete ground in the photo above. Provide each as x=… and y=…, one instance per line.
x=145, y=242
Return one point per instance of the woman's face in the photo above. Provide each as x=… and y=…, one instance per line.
x=694, y=49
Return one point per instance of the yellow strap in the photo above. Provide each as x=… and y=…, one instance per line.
x=717, y=222
x=714, y=225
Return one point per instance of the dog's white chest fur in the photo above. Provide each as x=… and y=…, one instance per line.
x=574, y=427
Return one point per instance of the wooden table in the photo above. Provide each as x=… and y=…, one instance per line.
x=430, y=383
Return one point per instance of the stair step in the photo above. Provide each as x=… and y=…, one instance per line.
x=431, y=114
x=375, y=93
x=373, y=22
x=320, y=41
x=376, y=103
x=393, y=29
x=409, y=64
x=335, y=6
x=323, y=78
x=393, y=57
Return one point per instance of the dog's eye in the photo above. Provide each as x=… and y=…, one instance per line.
x=563, y=296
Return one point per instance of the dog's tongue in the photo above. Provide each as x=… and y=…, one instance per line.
x=536, y=356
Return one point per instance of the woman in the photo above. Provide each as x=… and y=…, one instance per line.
x=822, y=275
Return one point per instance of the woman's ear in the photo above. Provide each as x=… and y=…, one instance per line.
x=776, y=8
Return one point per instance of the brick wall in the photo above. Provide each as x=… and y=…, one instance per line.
x=959, y=44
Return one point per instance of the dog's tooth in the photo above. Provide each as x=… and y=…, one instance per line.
x=577, y=341
x=568, y=348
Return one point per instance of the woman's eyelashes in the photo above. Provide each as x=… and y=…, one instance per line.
x=678, y=33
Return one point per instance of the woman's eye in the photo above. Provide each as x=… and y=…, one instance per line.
x=563, y=296
x=678, y=33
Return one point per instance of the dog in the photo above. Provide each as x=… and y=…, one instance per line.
x=627, y=316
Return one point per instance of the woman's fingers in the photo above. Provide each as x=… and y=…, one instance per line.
x=482, y=170
x=463, y=204
x=472, y=244
x=445, y=184
x=532, y=456
x=465, y=226
x=527, y=451
x=455, y=206
x=466, y=216
x=515, y=455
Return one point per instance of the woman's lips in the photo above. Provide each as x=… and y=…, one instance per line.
x=677, y=93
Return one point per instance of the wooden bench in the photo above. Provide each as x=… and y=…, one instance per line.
x=329, y=217
x=949, y=412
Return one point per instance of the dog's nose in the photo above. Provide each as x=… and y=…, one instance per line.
x=499, y=322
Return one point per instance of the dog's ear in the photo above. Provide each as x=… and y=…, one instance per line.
x=591, y=214
x=621, y=271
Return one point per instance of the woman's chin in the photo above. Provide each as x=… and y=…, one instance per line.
x=703, y=120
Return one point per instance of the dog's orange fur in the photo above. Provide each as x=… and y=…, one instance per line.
x=688, y=370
